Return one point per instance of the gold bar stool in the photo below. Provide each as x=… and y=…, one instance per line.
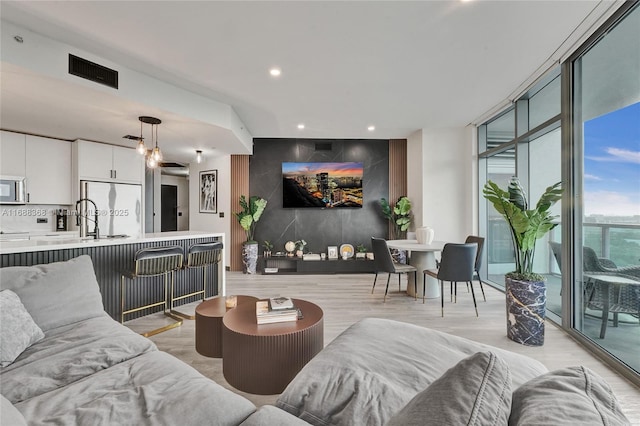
x=200, y=255
x=152, y=262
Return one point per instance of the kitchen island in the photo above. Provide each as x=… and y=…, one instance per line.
x=111, y=256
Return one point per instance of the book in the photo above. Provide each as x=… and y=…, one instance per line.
x=277, y=303
x=265, y=315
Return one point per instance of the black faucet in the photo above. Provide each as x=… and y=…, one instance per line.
x=96, y=231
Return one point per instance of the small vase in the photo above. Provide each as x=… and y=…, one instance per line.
x=299, y=253
x=424, y=235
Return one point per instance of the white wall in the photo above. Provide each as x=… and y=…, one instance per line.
x=207, y=221
x=442, y=181
x=183, y=198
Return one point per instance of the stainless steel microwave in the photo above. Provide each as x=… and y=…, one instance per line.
x=12, y=190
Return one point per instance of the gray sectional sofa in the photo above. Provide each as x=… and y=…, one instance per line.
x=65, y=361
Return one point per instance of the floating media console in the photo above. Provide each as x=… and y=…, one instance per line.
x=295, y=265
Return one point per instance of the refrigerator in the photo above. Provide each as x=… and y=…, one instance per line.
x=119, y=207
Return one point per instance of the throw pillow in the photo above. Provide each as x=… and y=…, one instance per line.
x=18, y=331
x=476, y=391
x=572, y=395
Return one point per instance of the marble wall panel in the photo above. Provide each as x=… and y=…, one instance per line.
x=319, y=227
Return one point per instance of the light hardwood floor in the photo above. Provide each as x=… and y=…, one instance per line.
x=347, y=298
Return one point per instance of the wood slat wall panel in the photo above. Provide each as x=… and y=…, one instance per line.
x=239, y=186
x=397, y=171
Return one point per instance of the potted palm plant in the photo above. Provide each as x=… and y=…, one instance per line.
x=250, y=214
x=525, y=290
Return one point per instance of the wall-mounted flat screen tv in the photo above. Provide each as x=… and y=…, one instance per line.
x=322, y=185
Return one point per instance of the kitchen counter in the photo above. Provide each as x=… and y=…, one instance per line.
x=66, y=242
x=112, y=257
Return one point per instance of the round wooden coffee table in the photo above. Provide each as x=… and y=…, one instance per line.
x=263, y=359
x=209, y=324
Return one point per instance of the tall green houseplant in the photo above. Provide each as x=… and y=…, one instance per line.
x=252, y=209
x=399, y=215
x=526, y=225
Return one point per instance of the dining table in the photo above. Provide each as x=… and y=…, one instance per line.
x=421, y=256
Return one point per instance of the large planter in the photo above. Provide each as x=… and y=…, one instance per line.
x=526, y=306
x=249, y=257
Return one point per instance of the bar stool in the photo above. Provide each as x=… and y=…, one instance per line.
x=151, y=262
x=200, y=255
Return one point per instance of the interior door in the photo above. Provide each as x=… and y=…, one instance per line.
x=169, y=208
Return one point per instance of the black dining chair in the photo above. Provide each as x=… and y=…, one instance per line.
x=457, y=264
x=383, y=262
x=478, y=263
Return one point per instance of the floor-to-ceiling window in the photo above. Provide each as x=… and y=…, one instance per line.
x=606, y=111
x=586, y=132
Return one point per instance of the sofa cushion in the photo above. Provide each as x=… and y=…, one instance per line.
x=476, y=391
x=376, y=366
x=71, y=353
x=58, y=293
x=572, y=395
x=152, y=389
x=270, y=415
x=9, y=415
x=17, y=329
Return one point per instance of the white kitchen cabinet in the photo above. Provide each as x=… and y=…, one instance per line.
x=102, y=162
x=48, y=170
x=12, y=154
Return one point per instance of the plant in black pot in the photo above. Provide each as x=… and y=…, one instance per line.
x=525, y=290
x=250, y=214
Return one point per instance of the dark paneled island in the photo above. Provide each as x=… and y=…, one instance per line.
x=112, y=256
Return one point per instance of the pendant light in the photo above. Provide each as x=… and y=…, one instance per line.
x=198, y=156
x=154, y=155
x=141, y=148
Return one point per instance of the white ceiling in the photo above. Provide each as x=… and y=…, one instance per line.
x=401, y=66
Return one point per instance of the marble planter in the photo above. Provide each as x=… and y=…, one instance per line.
x=249, y=257
x=526, y=304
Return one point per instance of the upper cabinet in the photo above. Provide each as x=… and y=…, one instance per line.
x=48, y=170
x=97, y=161
x=12, y=153
x=45, y=162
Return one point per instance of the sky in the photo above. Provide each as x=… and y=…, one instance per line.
x=334, y=169
x=612, y=163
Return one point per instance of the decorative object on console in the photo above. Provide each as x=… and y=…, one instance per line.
x=398, y=215
x=322, y=185
x=300, y=245
x=290, y=246
x=332, y=252
x=424, y=235
x=250, y=214
x=209, y=191
x=525, y=290
x=268, y=246
x=361, y=251
x=346, y=251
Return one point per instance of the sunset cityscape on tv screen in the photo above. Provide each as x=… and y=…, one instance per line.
x=323, y=185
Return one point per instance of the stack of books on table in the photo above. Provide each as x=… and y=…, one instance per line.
x=276, y=309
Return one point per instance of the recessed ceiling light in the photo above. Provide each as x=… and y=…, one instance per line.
x=371, y=128
x=301, y=126
x=275, y=72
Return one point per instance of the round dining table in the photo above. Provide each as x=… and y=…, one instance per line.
x=422, y=256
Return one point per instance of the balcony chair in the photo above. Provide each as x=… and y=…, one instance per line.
x=383, y=262
x=478, y=264
x=457, y=264
x=623, y=298
x=152, y=262
x=200, y=255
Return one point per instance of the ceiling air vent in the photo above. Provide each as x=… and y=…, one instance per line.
x=92, y=71
x=323, y=146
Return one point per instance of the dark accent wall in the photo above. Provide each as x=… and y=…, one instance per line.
x=319, y=227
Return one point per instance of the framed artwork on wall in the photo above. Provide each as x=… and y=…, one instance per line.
x=209, y=191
